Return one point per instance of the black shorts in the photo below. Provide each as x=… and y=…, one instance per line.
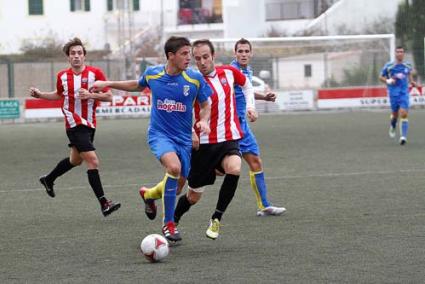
x=81, y=137
x=207, y=159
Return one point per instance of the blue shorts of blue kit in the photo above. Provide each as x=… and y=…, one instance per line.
x=160, y=145
x=401, y=100
x=248, y=144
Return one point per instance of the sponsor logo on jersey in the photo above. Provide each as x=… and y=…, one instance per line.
x=223, y=81
x=84, y=80
x=170, y=106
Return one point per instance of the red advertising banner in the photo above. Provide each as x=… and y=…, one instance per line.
x=127, y=105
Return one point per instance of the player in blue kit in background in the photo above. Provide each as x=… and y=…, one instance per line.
x=248, y=144
x=174, y=90
x=397, y=75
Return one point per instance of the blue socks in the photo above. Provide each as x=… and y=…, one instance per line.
x=169, y=198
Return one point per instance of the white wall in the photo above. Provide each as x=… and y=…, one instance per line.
x=291, y=72
x=16, y=25
x=243, y=18
x=95, y=27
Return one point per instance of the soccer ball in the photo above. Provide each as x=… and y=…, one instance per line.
x=154, y=247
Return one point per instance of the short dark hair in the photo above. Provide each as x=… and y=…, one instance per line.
x=174, y=43
x=204, y=42
x=243, y=41
x=73, y=42
x=399, y=47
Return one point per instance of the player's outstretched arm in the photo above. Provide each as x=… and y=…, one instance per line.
x=100, y=96
x=129, y=86
x=269, y=96
x=51, y=96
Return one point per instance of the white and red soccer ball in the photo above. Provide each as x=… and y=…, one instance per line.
x=154, y=247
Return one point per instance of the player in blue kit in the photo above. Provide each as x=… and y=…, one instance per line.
x=174, y=90
x=248, y=144
x=397, y=75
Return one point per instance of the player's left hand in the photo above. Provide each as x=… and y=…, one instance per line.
x=203, y=127
x=84, y=94
x=270, y=97
x=252, y=115
x=195, y=141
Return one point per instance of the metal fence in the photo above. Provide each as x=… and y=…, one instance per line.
x=17, y=77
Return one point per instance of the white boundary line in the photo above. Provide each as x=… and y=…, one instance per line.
x=323, y=175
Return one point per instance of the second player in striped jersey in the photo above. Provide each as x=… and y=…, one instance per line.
x=218, y=150
x=79, y=108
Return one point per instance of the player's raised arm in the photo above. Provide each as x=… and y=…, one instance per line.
x=129, y=86
x=51, y=96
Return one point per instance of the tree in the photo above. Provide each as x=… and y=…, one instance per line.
x=410, y=30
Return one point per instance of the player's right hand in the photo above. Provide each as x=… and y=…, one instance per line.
x=270, y=97
x=34, y=92
x=203, y=127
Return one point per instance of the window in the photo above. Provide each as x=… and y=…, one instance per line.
x=80, y=5
x=290, y=9
x=35, y=7
x=199, y=12
x=136, y=5
x=109, y=5
x=307, y=71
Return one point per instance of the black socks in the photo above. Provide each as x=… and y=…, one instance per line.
x=61, y=168
x=227, y=191
x=183, y=205
x=96, y=184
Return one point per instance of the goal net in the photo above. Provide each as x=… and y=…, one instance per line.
x=317, y=61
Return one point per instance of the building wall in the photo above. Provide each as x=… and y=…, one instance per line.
x=355, y=15
x=95, y=27
x=241, y=18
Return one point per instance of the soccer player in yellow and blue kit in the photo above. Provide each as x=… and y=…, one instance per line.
x=175, y=88
x=248, y=144
x=397, y=75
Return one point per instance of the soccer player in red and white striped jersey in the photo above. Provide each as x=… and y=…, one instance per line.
x=224, y=122
x=218, y=150
x=79, y=108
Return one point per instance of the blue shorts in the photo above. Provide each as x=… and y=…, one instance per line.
x=399, y=100
x=248, y=144
x=161, y=144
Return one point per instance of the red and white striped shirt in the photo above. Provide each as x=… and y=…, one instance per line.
x=75, y=110
x=224, y=122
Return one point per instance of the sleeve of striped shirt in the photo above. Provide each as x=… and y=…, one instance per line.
x=247, y=89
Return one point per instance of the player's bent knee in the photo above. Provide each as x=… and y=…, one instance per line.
x=75, y=160
x=194, y=194
x=232, y=164
x=256, y=165
x=174, y=170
